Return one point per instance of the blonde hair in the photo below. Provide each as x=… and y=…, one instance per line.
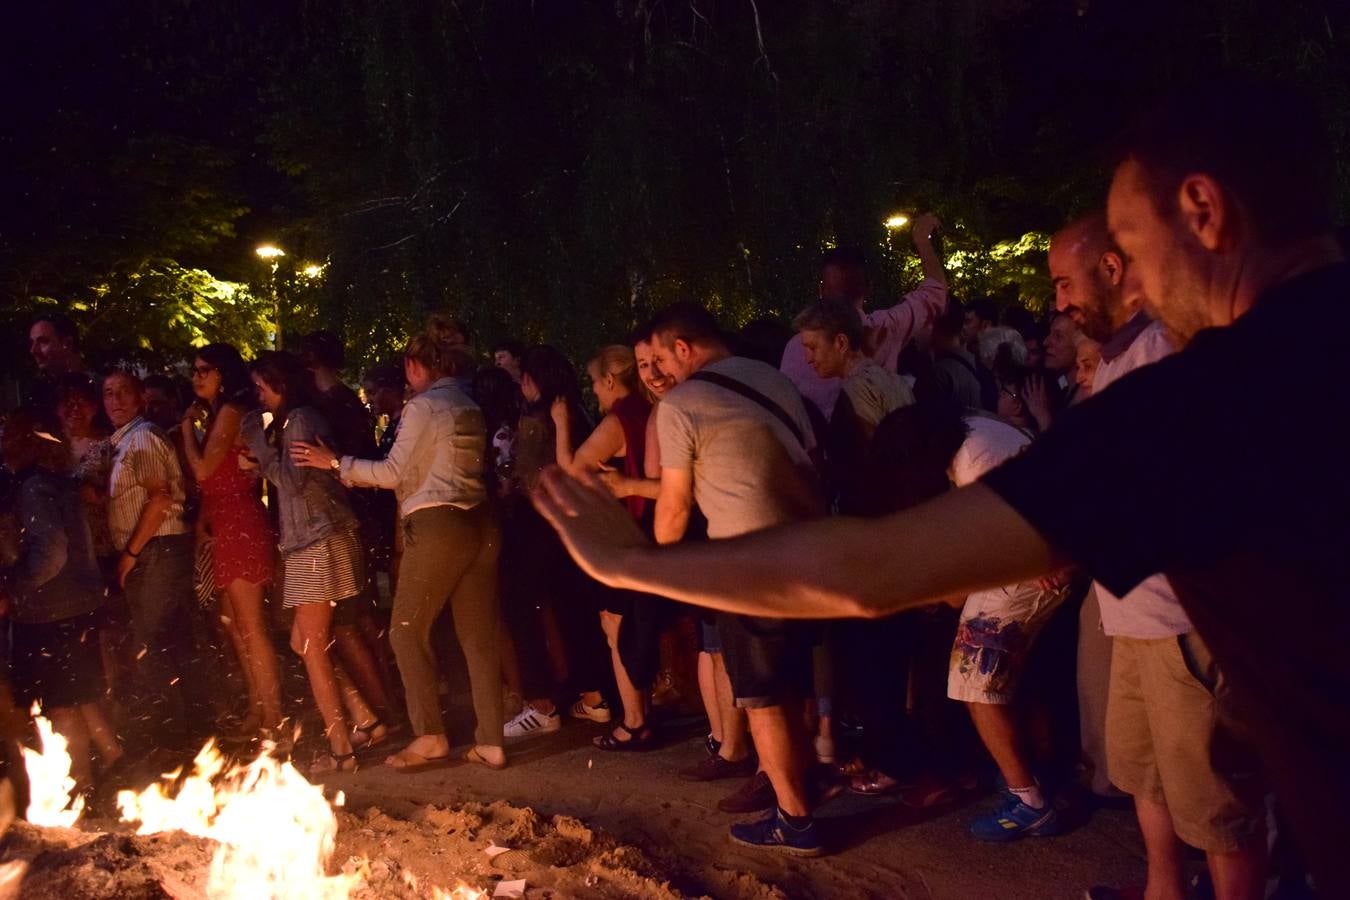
x=619, y=361
x=437, y=348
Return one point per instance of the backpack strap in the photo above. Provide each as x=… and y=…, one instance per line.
x=750, y=393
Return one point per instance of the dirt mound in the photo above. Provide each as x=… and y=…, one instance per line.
x=396, y=857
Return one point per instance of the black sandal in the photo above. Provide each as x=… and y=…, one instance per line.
x=636, y=741
x=339, y=763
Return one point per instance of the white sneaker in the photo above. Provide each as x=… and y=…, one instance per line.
x=599, y=713
x=530, y=722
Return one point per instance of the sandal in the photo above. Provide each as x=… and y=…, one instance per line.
x=372, y=734
x=473, y=756
x=339, y=763
x=414, y=762
x=639, y=739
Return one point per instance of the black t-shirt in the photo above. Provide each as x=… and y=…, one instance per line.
x=1225, y=468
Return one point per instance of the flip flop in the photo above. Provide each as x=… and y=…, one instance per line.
x=473, y=756
x=419, y=762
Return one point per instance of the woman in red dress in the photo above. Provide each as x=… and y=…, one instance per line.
x=243, y=546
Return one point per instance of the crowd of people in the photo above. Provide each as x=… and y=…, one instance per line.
x=486, y=496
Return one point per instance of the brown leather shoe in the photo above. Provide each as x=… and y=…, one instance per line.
x=716, y=767
x=753, y=795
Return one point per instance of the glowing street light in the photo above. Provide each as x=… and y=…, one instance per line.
x=269, y=251
x=896, y=221
x=313, y=270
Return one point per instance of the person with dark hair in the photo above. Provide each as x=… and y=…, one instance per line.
x=54, y=591
x=163, y=400
x=541, y=575
x=1226, y=229
x=451, y=541
x=320, y=549
x=54, y=342
x=1159, y=729
x=507, y=355
x=981, y=313
x=499, y=397
x=323, y=355
x=843, y=277
x=154, y=569
x=79, y=409
x=736, y=439
x=385, y=388
x=955, y=375
x=235, y=523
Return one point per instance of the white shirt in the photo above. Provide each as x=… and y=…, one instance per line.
x=141, y=453
x=1151, y=610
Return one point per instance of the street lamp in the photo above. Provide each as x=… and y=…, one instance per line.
x=272, y=253
x=899, y=220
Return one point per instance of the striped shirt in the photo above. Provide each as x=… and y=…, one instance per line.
x=142, y=454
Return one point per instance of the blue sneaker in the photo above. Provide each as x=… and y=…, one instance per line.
x=773, y=833
x=1013, y=819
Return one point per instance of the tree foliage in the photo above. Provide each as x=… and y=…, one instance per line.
x=555, y=171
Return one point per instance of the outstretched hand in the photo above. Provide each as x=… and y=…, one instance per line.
x=596, y=529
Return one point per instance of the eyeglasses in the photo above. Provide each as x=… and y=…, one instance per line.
x=202, y=371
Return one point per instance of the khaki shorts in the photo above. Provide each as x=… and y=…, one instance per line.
x=993, y=639
x=1166, y=742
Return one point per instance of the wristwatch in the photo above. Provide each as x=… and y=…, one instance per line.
x=336, y=464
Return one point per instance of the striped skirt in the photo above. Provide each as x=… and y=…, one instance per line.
x=326, y=572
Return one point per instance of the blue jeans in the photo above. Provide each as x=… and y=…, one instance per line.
x=158, y=592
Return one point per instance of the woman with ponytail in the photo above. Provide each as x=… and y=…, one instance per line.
x=450, y=547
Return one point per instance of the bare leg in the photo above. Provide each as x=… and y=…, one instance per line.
x=101, y=733
x=359, y=711
x=776, y=730
x=1240, y=875
x=1163, y=848
x=553, y=641
x=309, y=638
x=229, y=621
x=634, y=702
x=360, y=664
x=735, y=731
x=259, y=656
x=707, y=687
x=68, y=723
x=998, y=730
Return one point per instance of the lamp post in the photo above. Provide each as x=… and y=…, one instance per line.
x=271, y=253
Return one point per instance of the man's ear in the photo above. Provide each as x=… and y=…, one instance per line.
x=1113, y=267
x=682, y=348
x=1206, y=211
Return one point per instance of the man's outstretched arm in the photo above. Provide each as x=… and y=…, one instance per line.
x=826, y=568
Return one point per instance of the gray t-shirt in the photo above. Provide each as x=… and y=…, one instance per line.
x=750, y=472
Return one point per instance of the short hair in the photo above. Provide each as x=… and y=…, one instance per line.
x=324, y=348
x=62, y=324
x=833, y=317
x=984, y=307
x=121, y=372
x=552, y=373
x=851, y=259
x=387, y=377
x=285, y=374
x=992, y=340
x=689, y=322
x=1264, y=144
x=510, y=345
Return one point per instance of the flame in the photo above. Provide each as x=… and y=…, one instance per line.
x=49, y=781
x=275, y=832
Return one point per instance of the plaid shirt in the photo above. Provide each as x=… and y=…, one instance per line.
x=141, y=453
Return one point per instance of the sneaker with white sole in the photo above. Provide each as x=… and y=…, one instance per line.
x=598, y=713
x=530, y=722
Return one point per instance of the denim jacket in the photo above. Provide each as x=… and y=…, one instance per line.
x=313, y=503
x=56, y=576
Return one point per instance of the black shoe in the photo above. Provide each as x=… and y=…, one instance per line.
x=716, y=767
x=754, y=795
x=712, y=745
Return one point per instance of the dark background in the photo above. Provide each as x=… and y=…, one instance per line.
x=554, y=170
